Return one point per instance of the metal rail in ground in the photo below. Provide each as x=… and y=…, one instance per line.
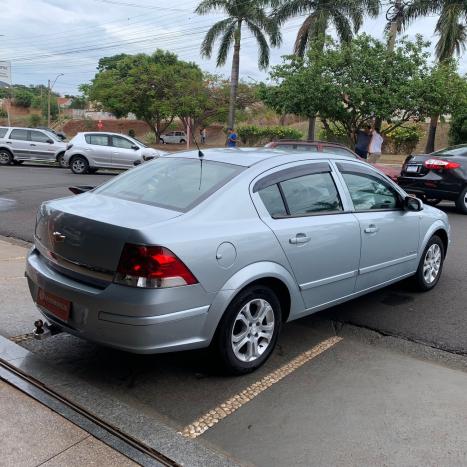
x=103, y=431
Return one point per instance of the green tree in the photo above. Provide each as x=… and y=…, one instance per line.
x=451, y=29
x=458, y=130
x=23, y=98
x=156, y=88
x=349, y=84
x=249, y=13
x=345, y=16
x=53, y=107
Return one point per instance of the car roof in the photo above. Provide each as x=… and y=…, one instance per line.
x=247, y=157
x=309, y=142
x=97, y=132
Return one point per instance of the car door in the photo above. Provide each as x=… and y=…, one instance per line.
x=19, y=143
x=99, y=149
x=303, y=207
x=169, y=137
x=124, y=152
x=390, y=235
x=43, y=146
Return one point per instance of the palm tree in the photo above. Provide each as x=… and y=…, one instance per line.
x=451, y=29
x=249, y=13
x=345, y=16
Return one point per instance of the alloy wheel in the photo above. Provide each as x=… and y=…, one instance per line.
x=432, y=263
x=79, y=166
x=253, y=330
x=5, y=158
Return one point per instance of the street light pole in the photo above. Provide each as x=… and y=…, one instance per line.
x=48, y=99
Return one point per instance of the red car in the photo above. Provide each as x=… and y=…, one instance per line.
x=334, y=148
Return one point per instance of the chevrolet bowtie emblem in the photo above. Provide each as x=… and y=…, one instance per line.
x=58, y=237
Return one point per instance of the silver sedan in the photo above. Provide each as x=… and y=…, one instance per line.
x=221, y=248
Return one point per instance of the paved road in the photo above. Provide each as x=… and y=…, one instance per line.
x=356, y=403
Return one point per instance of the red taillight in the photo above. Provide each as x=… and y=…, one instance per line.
x=151, y=267
x=440, y=164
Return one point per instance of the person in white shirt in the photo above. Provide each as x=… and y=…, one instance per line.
x=375, y=148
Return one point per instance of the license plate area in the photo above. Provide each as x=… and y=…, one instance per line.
x=413, y=169
x=54, y=304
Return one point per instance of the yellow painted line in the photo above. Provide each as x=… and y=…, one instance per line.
x=209, y=419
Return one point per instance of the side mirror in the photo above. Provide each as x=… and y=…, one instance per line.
x=413, y=204
x=50, y=141
x=136, y=162
x=135, y=147
x=77, y=190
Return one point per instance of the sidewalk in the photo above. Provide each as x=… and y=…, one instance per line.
x=32, y=435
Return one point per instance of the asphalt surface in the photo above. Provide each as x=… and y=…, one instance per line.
x=365, y=401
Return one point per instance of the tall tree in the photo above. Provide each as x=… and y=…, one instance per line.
x=250, y=14
x=345, y=16
x=451, y=29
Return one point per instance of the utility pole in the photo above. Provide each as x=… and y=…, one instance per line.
x=49, y=86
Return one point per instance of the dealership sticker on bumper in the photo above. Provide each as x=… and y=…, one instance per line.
x=58, y=306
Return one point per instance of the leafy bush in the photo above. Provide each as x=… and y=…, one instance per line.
x=256, y=135
x=150, y=138
x=404, y=139
x=23, y=98
x=34, y=120
x=36, y=102
x=458, y=131
x=334, y=134
x=3, y=113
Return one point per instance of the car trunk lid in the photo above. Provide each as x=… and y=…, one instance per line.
x=85, y=235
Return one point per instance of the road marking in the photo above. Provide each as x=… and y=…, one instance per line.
x=16, y=258
x=13, y=278
x=209, y=419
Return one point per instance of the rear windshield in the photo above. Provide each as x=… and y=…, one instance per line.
x=172, y=183
x=452, y=151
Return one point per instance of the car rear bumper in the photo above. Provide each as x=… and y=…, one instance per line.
x=429, y=187
x=131, y=319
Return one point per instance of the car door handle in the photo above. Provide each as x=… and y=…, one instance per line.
x=9, y=142
x=371, y=229
x=299, y=238
x=32, y=144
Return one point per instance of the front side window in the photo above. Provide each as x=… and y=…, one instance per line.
x=172, y=183
x=19, y=134
x=120, y=142
x=98, y=140
x=39, y=137
x=368, y=192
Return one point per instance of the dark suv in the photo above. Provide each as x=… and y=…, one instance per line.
x=441, y=175
x=333, y=148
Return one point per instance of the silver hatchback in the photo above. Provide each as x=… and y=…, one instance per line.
x=220, y=249
x=90, y=151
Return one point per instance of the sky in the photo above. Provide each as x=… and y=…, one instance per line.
x=43, y=38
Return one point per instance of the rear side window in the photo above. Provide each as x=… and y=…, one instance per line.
x=172, y=183
x=273, y=201
x=98, y=140
x=3, y=132
x=40, y=137
x=19, y=134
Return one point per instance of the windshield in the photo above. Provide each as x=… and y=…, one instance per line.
x=172, y=183
x=136, y=140
x=452, y=151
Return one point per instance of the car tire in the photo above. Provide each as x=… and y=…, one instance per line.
x=79, y=165
x=461, y=202
x=182, y=141
x=161, y=141
x=6, y=158
x=253, y=305
x=430, y=266
x=61, y=161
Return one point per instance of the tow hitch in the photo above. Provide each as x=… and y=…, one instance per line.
x=44, y=330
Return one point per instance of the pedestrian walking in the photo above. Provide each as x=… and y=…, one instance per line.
x=203, y=135
x=376, y=145
x=231, y=138
x=363, y=141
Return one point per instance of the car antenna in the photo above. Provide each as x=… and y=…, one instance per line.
x=201, y=156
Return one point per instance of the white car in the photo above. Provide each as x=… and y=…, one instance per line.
x=87, y=152
x=174, y=137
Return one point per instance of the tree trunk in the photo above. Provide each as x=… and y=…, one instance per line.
x=430, y=143
x=234, y=76
x=311, y=128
